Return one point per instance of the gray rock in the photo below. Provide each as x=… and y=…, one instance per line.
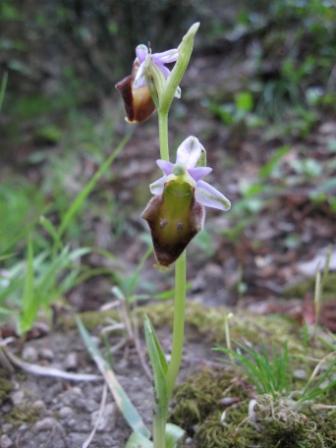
x=29, y=354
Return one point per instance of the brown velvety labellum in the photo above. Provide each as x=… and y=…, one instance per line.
x=138, y=102
x=168, y=246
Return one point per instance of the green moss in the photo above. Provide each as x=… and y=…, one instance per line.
x=216, y=409
x=91, y=319
x=5, y=386
x=209, y=322
x=214, y=433
x=24, y=413
x=326, y=427
x=201, y=394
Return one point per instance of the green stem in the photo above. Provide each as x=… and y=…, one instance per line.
x=163, y=135
x=159, y=432
x=178, y=328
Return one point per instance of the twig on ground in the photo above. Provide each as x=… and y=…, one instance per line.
x=38, y=370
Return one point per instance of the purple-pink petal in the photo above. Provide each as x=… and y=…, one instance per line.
x=165, y=71
x=167, y=57
x=209, y=196
x=165, y=166
x=199, y=172
x=141, y=52
x=189, y=152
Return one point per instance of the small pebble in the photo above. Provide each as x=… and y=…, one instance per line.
x=71, y=361
x=17, y=397
x=5, y=442
x=65, y=412
x=46, y=424
x=300, y=374
x=39, y=406
x=47, y=354
x=229, y=401
x=29, y=354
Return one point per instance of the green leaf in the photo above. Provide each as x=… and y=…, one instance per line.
x=174, y=435
x=274, y=161
x=30, y=301
x=137, y=440
x=244, y=101
x=159, y=366
x=52, y=231
x=84, y=193
x=121, y=398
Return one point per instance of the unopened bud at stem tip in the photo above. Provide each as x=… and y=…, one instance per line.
x=194, y=28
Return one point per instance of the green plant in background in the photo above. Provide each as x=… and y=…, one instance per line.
x=238, y=111
x=21, y=204
x=34, y=284
x=274, y=375
x=269, y=375
x=51, y=269
x=254, y=195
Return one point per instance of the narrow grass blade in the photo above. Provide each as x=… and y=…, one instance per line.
x=52, y=231
x=29, y=300
x=84, y=193
x=3, y=88
x=124, y=404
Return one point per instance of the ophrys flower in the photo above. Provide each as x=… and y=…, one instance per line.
x=134, y=88
x=176, y=213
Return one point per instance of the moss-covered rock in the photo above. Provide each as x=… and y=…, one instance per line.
x=220, y=411
x=204, y=392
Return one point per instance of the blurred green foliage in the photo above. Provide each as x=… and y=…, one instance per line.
x=62, y=60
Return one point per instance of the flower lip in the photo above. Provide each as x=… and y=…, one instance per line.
x=138, y=103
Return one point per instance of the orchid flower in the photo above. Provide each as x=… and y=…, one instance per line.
x=134, y=88
x=176, y=213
